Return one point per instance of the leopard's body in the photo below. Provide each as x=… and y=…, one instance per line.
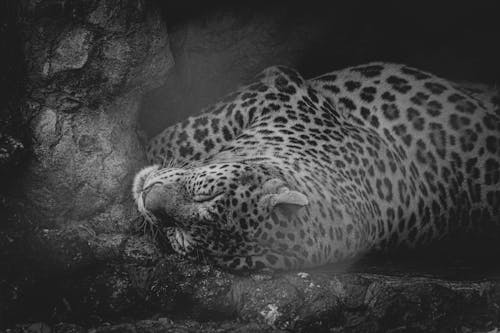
x=291, y=173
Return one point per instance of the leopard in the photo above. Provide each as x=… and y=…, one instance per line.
x=290, y=173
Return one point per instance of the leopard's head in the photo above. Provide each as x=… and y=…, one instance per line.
x=223, y=212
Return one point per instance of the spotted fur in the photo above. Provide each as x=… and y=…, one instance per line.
x=291, y=173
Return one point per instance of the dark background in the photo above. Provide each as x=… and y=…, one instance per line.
x=219, y=46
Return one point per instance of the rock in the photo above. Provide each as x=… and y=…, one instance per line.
x=185, y=326
x=72, y=52
x=87, y=76
x=68, y=328
x=87, y=64
x=35, y=328
x=201, y=298
x=359, y=302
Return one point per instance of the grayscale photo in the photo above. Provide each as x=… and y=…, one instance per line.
x=249, y=166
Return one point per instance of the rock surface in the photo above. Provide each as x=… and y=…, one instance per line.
x=89, y=62
x=118, y=297
x=86, y=65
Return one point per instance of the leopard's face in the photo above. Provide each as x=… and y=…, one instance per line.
x=215, y=211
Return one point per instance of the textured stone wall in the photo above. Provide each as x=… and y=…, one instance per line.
x=88, y=64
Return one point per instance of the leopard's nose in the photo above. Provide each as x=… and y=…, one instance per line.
x=161, y=200
x=145, y=192
x=154, y=196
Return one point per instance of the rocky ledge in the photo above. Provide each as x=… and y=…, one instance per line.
x=144, y=291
